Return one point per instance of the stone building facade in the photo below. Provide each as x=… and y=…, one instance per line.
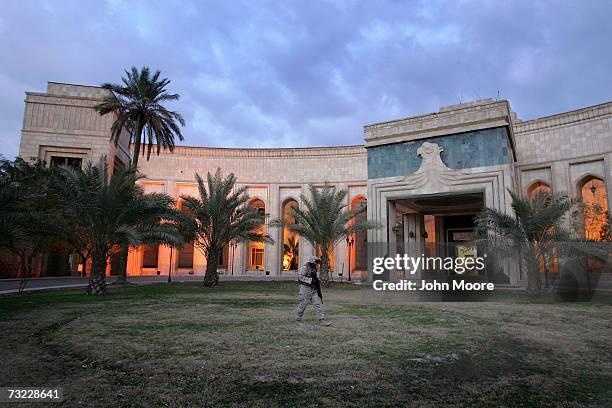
x=422, y=178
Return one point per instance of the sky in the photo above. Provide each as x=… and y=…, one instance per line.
x=310, y=73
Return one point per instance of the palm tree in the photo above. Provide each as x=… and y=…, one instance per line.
x=530, y=233
x=137, y=104
x=98, y=213
x=222, y=216
x=25, y=227
x=324, y=221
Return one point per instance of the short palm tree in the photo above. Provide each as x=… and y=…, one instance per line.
x=529, y=234
x=98, y=212
x=324, y=220
x=223, y=216
x=138, y=106
x=13, y=232
x=292, y=250
x=25, y=227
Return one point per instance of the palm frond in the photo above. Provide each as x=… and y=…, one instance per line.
x=137, y=105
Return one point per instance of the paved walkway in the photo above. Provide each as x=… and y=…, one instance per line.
x=8, y=286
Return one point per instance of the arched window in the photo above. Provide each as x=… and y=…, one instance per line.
x=538, y=186
x=595, y=207
x=256, y=255
x=291, y=240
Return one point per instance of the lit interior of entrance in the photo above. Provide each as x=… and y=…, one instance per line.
x=437, y=226
x=291, y=240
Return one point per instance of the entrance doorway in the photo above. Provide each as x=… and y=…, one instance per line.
x=440, y=226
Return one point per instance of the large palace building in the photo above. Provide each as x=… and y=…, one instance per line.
x=422, y=178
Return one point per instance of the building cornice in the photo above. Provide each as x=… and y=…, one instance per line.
x=57, y=99
x=290, y=152
x=563, y=119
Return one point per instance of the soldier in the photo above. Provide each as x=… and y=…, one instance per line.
x=310, y=290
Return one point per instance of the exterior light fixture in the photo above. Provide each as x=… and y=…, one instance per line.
x=593, y=188
x=350, y=242
x=411, y=234
x=425, y=235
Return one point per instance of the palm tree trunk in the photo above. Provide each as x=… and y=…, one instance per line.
x=97, y=280
x=211, y=278
x=136, y=155
x=123, y=257
x=26, y=272
x=325, y=269
x=137, y=137
x=534, y=280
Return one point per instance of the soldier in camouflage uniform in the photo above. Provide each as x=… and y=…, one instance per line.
x=307, y=276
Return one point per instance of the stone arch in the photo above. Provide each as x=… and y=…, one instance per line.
x=537, y=186
x=290, y=249
x=592, y=190
x=583, y=180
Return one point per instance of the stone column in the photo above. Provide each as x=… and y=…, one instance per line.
x=391, y=237
x=163, y=259
x=306, y=249
x=341, y=252
x=199, y=262
x=414, y=226
x=272, y=260
x=608, y=178
x=377, y=238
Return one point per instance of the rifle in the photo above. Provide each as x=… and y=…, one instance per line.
x=317, y=285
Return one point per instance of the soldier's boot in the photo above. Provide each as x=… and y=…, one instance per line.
x=324, y=322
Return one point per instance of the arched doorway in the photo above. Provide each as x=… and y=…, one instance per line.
x=537, y=187
x=256, y=250
x=290, y=259
x=549, y=260
x=594, y=195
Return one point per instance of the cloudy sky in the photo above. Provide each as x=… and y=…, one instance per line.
x=305, y=73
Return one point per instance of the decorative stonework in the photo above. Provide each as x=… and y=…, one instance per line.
x=430, y=152
x=433, y=173
x=485, y=147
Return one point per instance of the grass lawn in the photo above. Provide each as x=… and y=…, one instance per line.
x=239, y=345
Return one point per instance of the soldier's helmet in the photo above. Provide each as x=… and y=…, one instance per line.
x=314, y=260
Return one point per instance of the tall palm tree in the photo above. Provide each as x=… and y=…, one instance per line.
x=530, y=233
x=138, y=106
x=324, y=220
x=98, y=212
x=222, y=217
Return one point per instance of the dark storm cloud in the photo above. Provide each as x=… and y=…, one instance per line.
x=306, y=73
